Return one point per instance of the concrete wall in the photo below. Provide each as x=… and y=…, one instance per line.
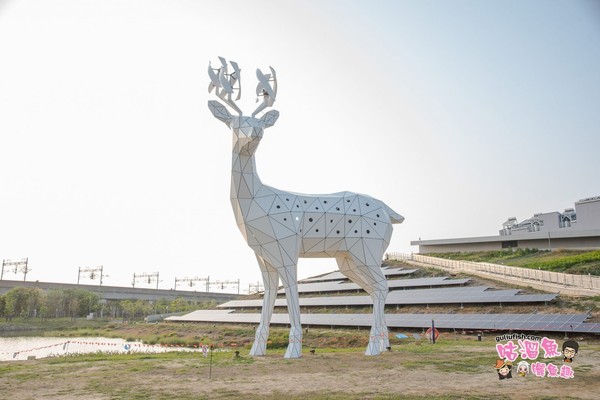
x=588, y=213
x=458, y=247
x=551, y=221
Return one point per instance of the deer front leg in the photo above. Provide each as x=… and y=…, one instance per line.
x=289, y=279
x=270, y=281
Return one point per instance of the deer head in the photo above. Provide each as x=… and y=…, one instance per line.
x=247, y=130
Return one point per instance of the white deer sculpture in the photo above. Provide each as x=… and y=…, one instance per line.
x=282, y=226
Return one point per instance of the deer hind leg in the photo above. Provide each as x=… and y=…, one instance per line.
x=367, y=273
x=270, y=280
x=288, y=276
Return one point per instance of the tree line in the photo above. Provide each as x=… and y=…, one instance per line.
x=27, y=302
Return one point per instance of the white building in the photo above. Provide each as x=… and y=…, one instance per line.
x=575, y=228
x=585, y=215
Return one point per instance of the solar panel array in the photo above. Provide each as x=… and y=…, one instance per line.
x=461, y=295
x=337, y=275
x=509, y=322
x=343, y=286
x=412, y=291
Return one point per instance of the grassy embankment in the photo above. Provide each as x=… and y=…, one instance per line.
x=567, y=261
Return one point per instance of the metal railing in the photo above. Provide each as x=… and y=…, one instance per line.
x=527, y=274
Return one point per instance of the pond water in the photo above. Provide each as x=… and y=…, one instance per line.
x=24, y=347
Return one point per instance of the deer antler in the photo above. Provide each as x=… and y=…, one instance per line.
x=224, y=83
x=265, y=89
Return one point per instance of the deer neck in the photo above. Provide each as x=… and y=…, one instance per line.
x=245, y=182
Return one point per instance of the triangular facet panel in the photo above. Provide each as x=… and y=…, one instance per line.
x=282, y=225
x=313, y=245
x=265, y=202
x=255, y=211
x=314, y=225
x=332, y=245
x=334, y=224
x=376, y=228
x=352, y=205
x=264, y=226
x=353, y=226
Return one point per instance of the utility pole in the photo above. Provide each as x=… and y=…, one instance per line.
x=18, y=266
x=223, y=283
x=255, y=288
x=149, y=278
x=192, y=281
x=94, y=273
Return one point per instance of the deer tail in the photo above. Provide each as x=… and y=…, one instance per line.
x=394, y=216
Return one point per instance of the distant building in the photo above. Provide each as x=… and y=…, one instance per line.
x=575, y=228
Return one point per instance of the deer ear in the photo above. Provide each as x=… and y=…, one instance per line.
x=219, y=111
x=270, y=118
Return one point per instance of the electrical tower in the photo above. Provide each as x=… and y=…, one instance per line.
x=148, y=278
x=192, y=281
x=17, y=266
x=94, y=273
x=255, y=288
x=225, y=283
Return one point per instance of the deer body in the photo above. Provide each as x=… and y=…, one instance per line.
x=282, y=226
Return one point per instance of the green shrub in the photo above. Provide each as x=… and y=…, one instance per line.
x=565, y=262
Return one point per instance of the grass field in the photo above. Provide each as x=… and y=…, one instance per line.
x=456, y=367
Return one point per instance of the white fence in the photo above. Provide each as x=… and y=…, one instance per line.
x=587, y=282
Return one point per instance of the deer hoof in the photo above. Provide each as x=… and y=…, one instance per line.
x=258, y=349
x=294, y=350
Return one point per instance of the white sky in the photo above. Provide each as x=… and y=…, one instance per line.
x=458, y=114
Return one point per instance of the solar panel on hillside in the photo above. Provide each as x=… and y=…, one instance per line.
x=498, y=322
x=461, y=295
x=344, y=286
x=587, y=328
x=530, y=298
x=336, y=275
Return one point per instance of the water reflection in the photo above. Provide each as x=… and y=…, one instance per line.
x=22, y=348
